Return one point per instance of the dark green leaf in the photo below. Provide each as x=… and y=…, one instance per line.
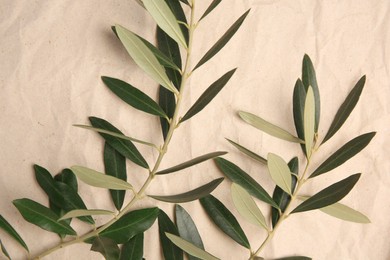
x=107, y=247
x=67, y=177
x=185, y=1
x=133, y=249
x=224, y=219
x=248, y=152
x=222, y=41
x=187, y=229
x=177, y=10
x=192, y=162
x=295, y=258
x=4, y=250
x=170, y=250
x=124, y=147
x=42, y=217
x=131, y=224
x=309, y=79
x=343, y=154
x=167, y=102
x=208, y=95
x=211, y=7
x=299, y=98
x=282, y=198
x=59, y=193
x=345, y=109
x=329, y=195
x=4, y=225
x=237, y=175
x=133, y=96
x=195, y=194
x=115, y=165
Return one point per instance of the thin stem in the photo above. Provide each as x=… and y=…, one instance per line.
x=140, y=194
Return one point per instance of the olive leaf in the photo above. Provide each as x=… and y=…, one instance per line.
x=299, y=98
x=85, y=212
x=4, y=250
x=295, y=258
x=181, y=18
x=345, y=108
x=107, y=247
x=268, y=128
x=133, y=249
x=67, y=176
x=4, y=225
x=309, y=121
x=346, y=152
x=195, y=194
x=224, y=219
x=170, y=250
x=280, y=172
x=211, y=7
x=248, y=152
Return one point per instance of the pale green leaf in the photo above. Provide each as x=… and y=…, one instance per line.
x=280, y=172
x=98, y=179
x=268, y=128
x=309, y=121
x=247, y=207
x=190, y=248
x=85, y=212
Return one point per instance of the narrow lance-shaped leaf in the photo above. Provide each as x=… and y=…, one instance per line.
x=309, y=79
x=267, y=127
x=181, y=18
x=208, y=95
x=4, y=225
x=170, y=250
x=224, y=219
x=343, y=154
x=345, y=109
x=115, y=165
x=192, y=162
x=190, y=248
x=195, y=194
x=247, y=207
x=85, y=212
x=165, y=19
x=211, y=7
x=107, y=247
x=42, y=217
x=222, y=41
x=279, y=171
x=237, y=175
x=98, y=179
x=131, y=224
x=248, y=152
x=133, y=249
x=295, y=258
x=309, y=121
x=133, y=96
x=125, y=147
x=4, y=250
x=144, y=57
x=187, y=228
x=299, y=98
x=329, y=195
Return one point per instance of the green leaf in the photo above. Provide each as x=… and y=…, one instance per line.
x=309, y=79
x=67, y=177
x=131, y=224
x=187, y=229
x=115, y=165
x=85, y=212
x=248, y=152
x=42, y=217
x=343, y=154
x=165, y=19
x=309, y=121
x=59, y=193
x=224, y=219
x=190, y=163
x=329, y=195
x=267, y=127
x=222, y=41
x=208, y=95
x=178, y=12
x=211, y=7
x=279, y=171
x=237, y=175
x=98, y=179
x=167, y=102
x=144, y=57
x=124, y=147
x=133, y=96
x=4, y=225
x=190, y=248
x=281, y=198
x=295, y=258
x=345, y=109
x=170, y=250
x=115, y=134
x=195, y=194
x=133, y=249
x=247, y=207
x=107, y=247
x=299, y=98
x=4, y=250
